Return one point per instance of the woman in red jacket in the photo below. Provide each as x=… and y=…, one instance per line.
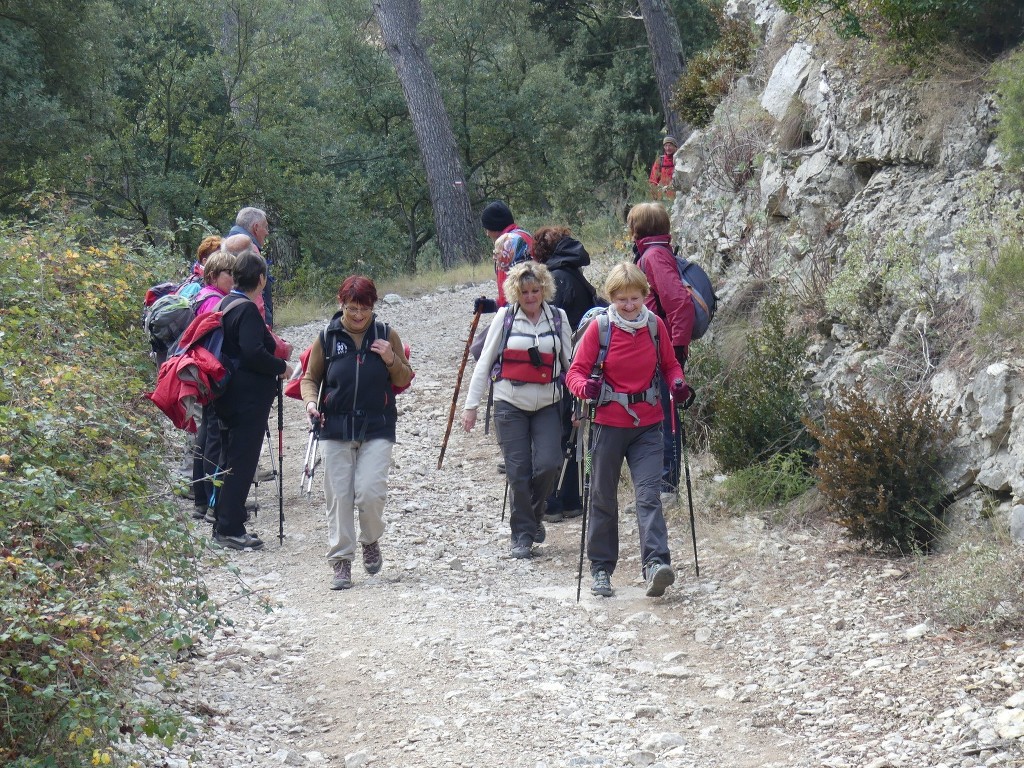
x=627, y=425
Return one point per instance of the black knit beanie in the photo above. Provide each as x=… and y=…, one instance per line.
x=496, y=216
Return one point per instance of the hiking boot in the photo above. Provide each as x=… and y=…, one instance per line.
x=541, y=534
x=569, y=514
x=658, y=577
x=552, y=517
x=602, y=585
x=372, y=558
x=501, y=467
x=342, y=578
x=521, y=551
x=200, y=513
x=245, y=541
x=265, y=475
x=210, y=517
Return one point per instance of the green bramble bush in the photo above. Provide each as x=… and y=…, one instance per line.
x=97, y=586
x=757, y=406
x=878, y=467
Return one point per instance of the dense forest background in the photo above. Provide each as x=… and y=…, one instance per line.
x=166, y=117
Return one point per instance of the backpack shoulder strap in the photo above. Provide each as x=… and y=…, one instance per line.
x=604, y=337
x=652, y=328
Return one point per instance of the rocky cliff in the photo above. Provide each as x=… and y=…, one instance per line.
x=871, y=194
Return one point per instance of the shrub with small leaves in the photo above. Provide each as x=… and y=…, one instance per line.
x=710, y=73
x=878, y=467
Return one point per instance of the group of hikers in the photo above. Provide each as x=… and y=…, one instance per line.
x=555, y=359
x=623, y=374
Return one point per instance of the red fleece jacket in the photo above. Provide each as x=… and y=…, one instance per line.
x=628, y=367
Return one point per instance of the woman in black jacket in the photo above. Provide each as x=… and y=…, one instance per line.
x=244, y=407
x=565, y=257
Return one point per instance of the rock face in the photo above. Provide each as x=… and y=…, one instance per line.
x=850, y=159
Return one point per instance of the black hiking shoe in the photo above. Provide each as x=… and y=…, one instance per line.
x=199, y=513
x=552, y=517
x=602, y=585
x=569, y=514
x=541, y=534
x=521, y=551
x=658, y=577
x=245, y=541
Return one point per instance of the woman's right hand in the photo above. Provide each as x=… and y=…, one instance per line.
x=469, y=419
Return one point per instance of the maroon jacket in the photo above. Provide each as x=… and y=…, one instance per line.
x=669, y=299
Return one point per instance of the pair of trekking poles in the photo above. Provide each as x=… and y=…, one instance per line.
x=574, y=449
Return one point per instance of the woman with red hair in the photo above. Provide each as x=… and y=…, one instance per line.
x=348, y=389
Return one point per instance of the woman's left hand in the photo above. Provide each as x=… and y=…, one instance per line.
x=384, y=349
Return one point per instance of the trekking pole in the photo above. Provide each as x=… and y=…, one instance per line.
x=280, y=462
x=570, y=452
x=309, y=466
x=677, y=448
x=689, y=490
x=458, y=384
x=584, y=485
x=487, y=413
x=505, y=500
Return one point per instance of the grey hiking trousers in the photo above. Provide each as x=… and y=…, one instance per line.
x=642, y=448
x=531, y=442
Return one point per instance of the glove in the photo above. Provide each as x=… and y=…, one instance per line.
x=485, y=306
x=683, y=393
x=681, y=355
x=592, y=389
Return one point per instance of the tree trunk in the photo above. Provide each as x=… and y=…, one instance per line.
x=667, y=57
x=457, y=232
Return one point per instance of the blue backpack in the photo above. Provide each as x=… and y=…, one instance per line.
x=696, y=281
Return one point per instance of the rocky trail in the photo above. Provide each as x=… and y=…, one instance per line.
x=791, y=649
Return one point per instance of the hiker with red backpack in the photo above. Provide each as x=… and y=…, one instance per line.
x=618, y=365
x=669, y=299
x=352, y=371
x=516, y=245
x=244, y=407
x=206, y=457
x=525, y=354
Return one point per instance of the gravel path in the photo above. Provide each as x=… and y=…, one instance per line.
x=791, y=649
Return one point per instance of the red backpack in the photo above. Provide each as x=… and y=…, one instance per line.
x=197, y=372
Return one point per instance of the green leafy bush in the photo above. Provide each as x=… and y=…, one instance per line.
x=1002, y=308
x=916, y=27
x=1010, y=97
x=758, y=408
x=878, y=467
x=96, y=584
x=710, y=73
x=779, y=479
